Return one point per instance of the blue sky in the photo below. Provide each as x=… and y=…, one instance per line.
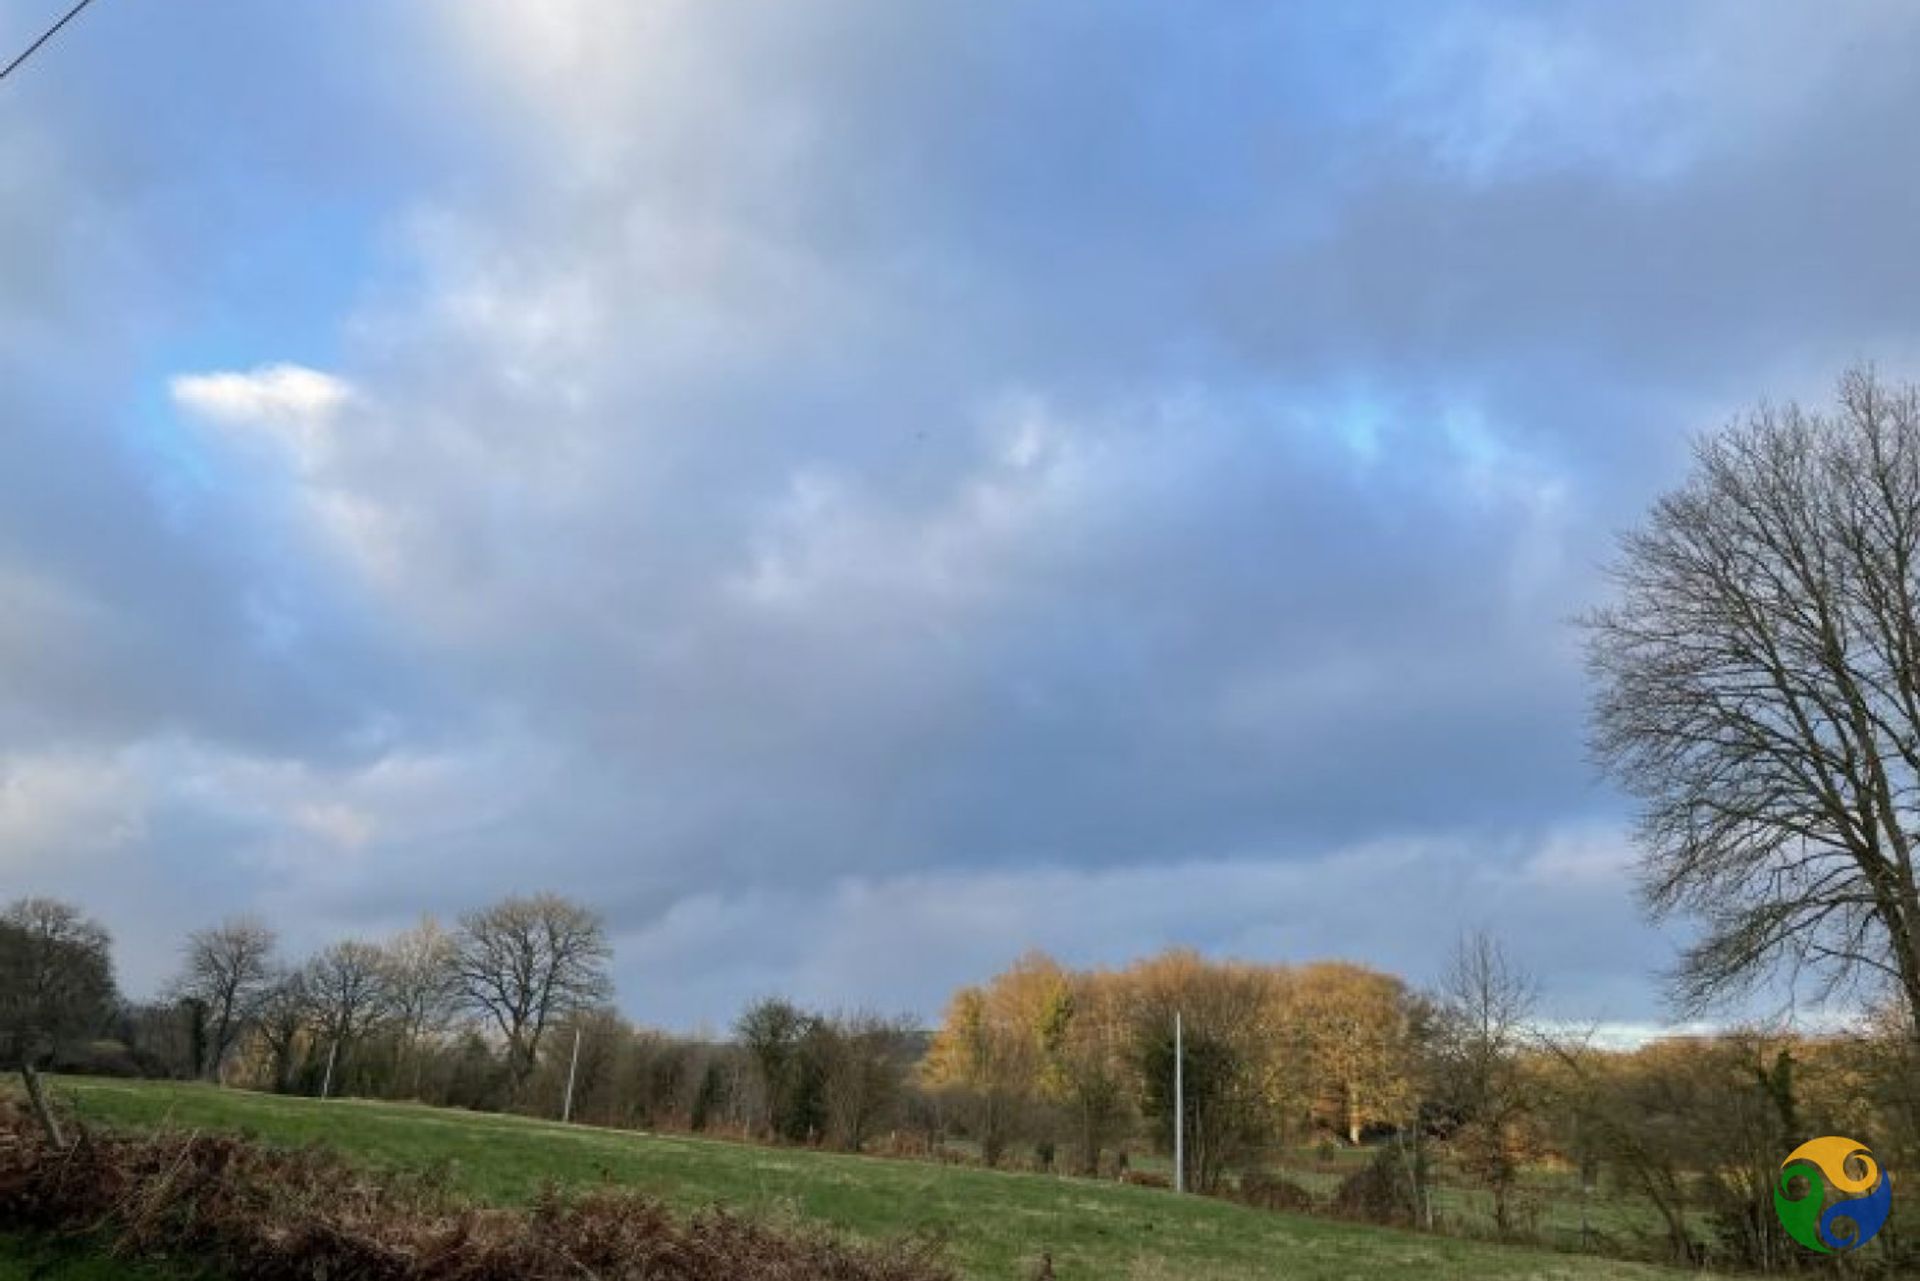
x=856, y=490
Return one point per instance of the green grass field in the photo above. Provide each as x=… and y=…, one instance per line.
x=996, y=1224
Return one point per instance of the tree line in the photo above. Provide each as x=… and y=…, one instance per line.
x=356, y=1014
x=1461, y=1086
x=1082, y=1061
x=1040, y=1067
x=379, y=1015
x=508, y=1008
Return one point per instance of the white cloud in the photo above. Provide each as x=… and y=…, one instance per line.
x=1603, y=858
x=66, y=810
x=830, y=546
x=294, y=405
x=345, y=826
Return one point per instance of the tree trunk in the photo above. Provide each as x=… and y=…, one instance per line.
x=37, y=1097
x=222, y=1038
x=1910, y=967
x=522, y=1059
x=197, y=1038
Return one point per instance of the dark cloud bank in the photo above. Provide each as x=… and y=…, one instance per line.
x=855, y=492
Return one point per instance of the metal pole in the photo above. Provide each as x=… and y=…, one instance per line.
x=1179, y=1108
x=1580, y=1147
x=326, y=1082
x=566, y=1109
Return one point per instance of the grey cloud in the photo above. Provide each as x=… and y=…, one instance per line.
x=897, y=468
x=1539, y=893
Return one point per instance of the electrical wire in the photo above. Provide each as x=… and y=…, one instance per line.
x=45, y=36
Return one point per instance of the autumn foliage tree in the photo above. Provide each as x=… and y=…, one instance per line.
x=1225, y=1012
x=1083, y=1062
x=983, y=1058
x=1352, y=1028
x=1269, y=1049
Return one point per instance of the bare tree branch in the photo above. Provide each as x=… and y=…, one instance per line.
x=525, y=962
x=1759, y=692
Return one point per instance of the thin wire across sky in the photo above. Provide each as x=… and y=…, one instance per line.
x=45, y=36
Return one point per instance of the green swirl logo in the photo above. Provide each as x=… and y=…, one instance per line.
x=1845, y=1168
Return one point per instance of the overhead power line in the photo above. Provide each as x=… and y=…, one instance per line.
x=45, y=36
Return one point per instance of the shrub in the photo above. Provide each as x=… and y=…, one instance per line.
x=1378, y=1192
x=1275, y=1192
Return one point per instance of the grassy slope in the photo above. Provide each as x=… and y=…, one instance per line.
x=996, y=1223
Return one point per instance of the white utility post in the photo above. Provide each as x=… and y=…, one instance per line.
x=1179, y=1109
x=566, y=1109
x=326, y=1082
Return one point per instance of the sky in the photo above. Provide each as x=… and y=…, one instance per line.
x=854, y=491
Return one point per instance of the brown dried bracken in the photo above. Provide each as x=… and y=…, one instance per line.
x=271, y=1213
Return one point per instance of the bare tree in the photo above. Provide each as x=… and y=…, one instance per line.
x=866, y=1059
x=525, y=962
x=228, y=969
x=1759, y=692
x=1480, y=1081
x=56, y=981
x=422, y=988
x=1621, y=1117
x=284, y=1016
x=345, y=989
x=776, y=1035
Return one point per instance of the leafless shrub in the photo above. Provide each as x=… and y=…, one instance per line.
x=1271, y=1191
x=1378, y=1192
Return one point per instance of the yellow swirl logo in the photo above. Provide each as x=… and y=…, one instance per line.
x=1832, y=1165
